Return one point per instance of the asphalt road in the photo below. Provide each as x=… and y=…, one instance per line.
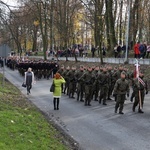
x=96, y=127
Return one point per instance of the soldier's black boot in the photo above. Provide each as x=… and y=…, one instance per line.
x=69, y=94
x=116, y=107
x=133, y=108
x=100, y=100
x=72, y=95
x=109, y=98
x=104, y=102
x=131, y=99
x=140, y=111
x=132, y=96
x=89, y=103
x=77, y=96
x=121, y=113
x=95, y=98
x=81, y=99
x=85, y=102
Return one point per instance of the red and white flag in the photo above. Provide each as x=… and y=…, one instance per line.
x=137, y=69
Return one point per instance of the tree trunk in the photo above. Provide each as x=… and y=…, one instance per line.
x=111, y=23
x=34, y=47
x=120, y=24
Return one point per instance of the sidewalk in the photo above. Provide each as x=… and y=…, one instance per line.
x=106, y=60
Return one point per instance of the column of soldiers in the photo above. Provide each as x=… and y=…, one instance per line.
x=90, y=83
x=41, y=68
x=101, y=83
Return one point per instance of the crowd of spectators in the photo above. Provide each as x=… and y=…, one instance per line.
x=140, y=51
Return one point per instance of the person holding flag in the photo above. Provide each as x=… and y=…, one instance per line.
x=140, y=89
x=133, y=76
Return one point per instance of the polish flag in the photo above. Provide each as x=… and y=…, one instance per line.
x=137, y=68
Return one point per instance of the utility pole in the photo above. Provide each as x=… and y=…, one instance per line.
x=127, y=33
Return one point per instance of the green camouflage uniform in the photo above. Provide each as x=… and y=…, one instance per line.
x=72, y=83
x=121, y=89
x=80, y=85
x=139, y=91
x=115, y=76
x=66, y=88
x=104, y=81
x=96, y=86
x=110, y=87
x=88, y=80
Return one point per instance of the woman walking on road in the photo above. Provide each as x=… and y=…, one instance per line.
x=58, y=81
x=29, y=80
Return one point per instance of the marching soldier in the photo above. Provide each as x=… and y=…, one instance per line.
x=80, y=84
x=121, y=89
x=61, y=70
x=88, y=79
x=96, y=86
x=140, y=87
x=103, y=80
x=72, y=82
x=117, y=73
x=115, y=77
x=66, y=88
x=110, y=87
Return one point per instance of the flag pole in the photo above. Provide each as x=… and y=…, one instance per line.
x=137, y=76
x=140, y=100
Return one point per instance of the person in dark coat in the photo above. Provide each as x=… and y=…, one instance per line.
x=29, y=80
x=93, y=51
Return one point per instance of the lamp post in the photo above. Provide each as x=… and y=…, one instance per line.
x=127, y=33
